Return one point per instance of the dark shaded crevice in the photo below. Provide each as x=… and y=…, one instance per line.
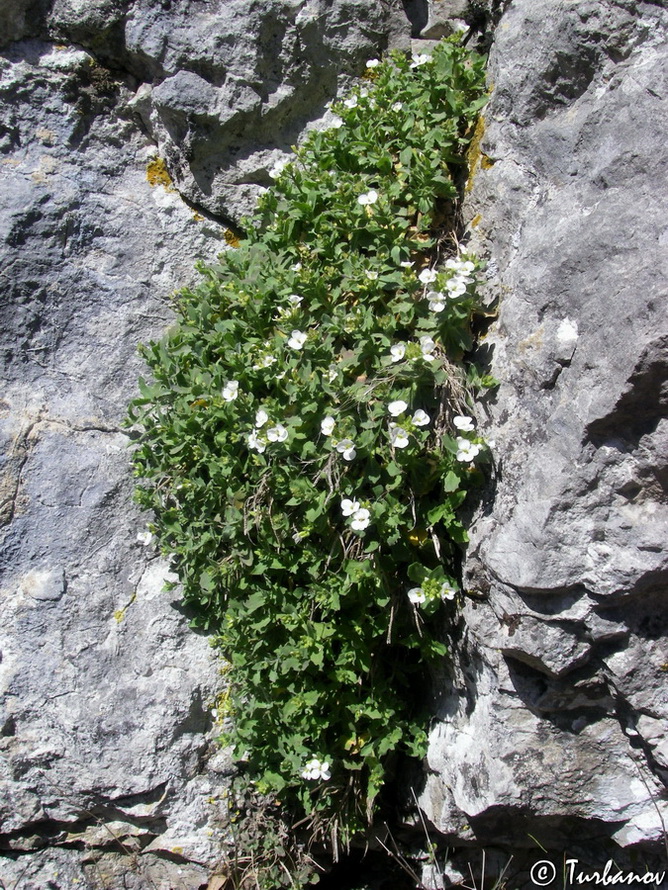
x=570, y=706
x=643, y=613
x=417, y=13
x=371, y=869
x=13, y=468
x=643, y=403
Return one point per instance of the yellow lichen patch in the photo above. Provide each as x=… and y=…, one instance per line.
x=475, y=222
x=46, y=137
x=475, y=156
x=231, y=238
x=157, y=174
x=197, y=216
x=119, y=614
x=533, y=341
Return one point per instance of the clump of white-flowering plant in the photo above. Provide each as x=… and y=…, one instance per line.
x=306, y=443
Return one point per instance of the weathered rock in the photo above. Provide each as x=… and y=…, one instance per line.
x=555, y=723
x=445, y=17
x=108, y=770
x=105, y=714
x=227, y=88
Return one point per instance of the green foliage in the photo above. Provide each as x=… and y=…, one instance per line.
x=299, y=448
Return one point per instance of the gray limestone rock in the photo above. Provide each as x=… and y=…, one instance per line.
x=110, y=774
x=557, y=713
x=106, y=694
x=553, y=723
x=445, y=18
x=226, y=88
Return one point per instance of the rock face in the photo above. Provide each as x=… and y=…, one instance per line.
x=556, y=722
x=106, y=694
x=226, y=88
x=552, y=729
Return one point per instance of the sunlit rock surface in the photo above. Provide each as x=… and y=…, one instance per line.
x=132, y=133
x=113, y=112
x=554, y=725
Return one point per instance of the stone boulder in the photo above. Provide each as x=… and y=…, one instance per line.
x=552, y=729
x=106, y=695
x=226, y=88
x=110, y=773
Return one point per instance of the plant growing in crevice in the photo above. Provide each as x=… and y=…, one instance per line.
x=306, y=442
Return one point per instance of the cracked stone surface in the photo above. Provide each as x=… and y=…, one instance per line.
x=105, y=693
x=558, y=710
x=553, y=722
x=110, y=775
x=225, y=89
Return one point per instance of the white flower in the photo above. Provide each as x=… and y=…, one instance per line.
x=144, y=538
x=427, y=276
x=419, y=59
x=294, y=299
x=296, y=267
x=351, y=103
x=398, y=351
x=464, y=267
x=265, y=362
x=364, y=93
x=335, y=122
x=416, y=596
x=369, y=197
x=466, y=450
x=397, y=106
x=421, y=418
x=447, y=592
x=346, y=447
x=278, y=168
x=255, y=443
x=372, y=276
x=361, y=519
x=406, y=264
x=297, y=340
x=231, y=390
x=373, y=63
x=349, y=507
x=327, y=426
x=396, y=408
x=277, y=433
x=427, y=346
x=311, y=770
x=463, y=422
x=455, y=287
x=261, y=417
x=332, y=373
x=436, y=300
x=398, y=436
x=316, y=770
